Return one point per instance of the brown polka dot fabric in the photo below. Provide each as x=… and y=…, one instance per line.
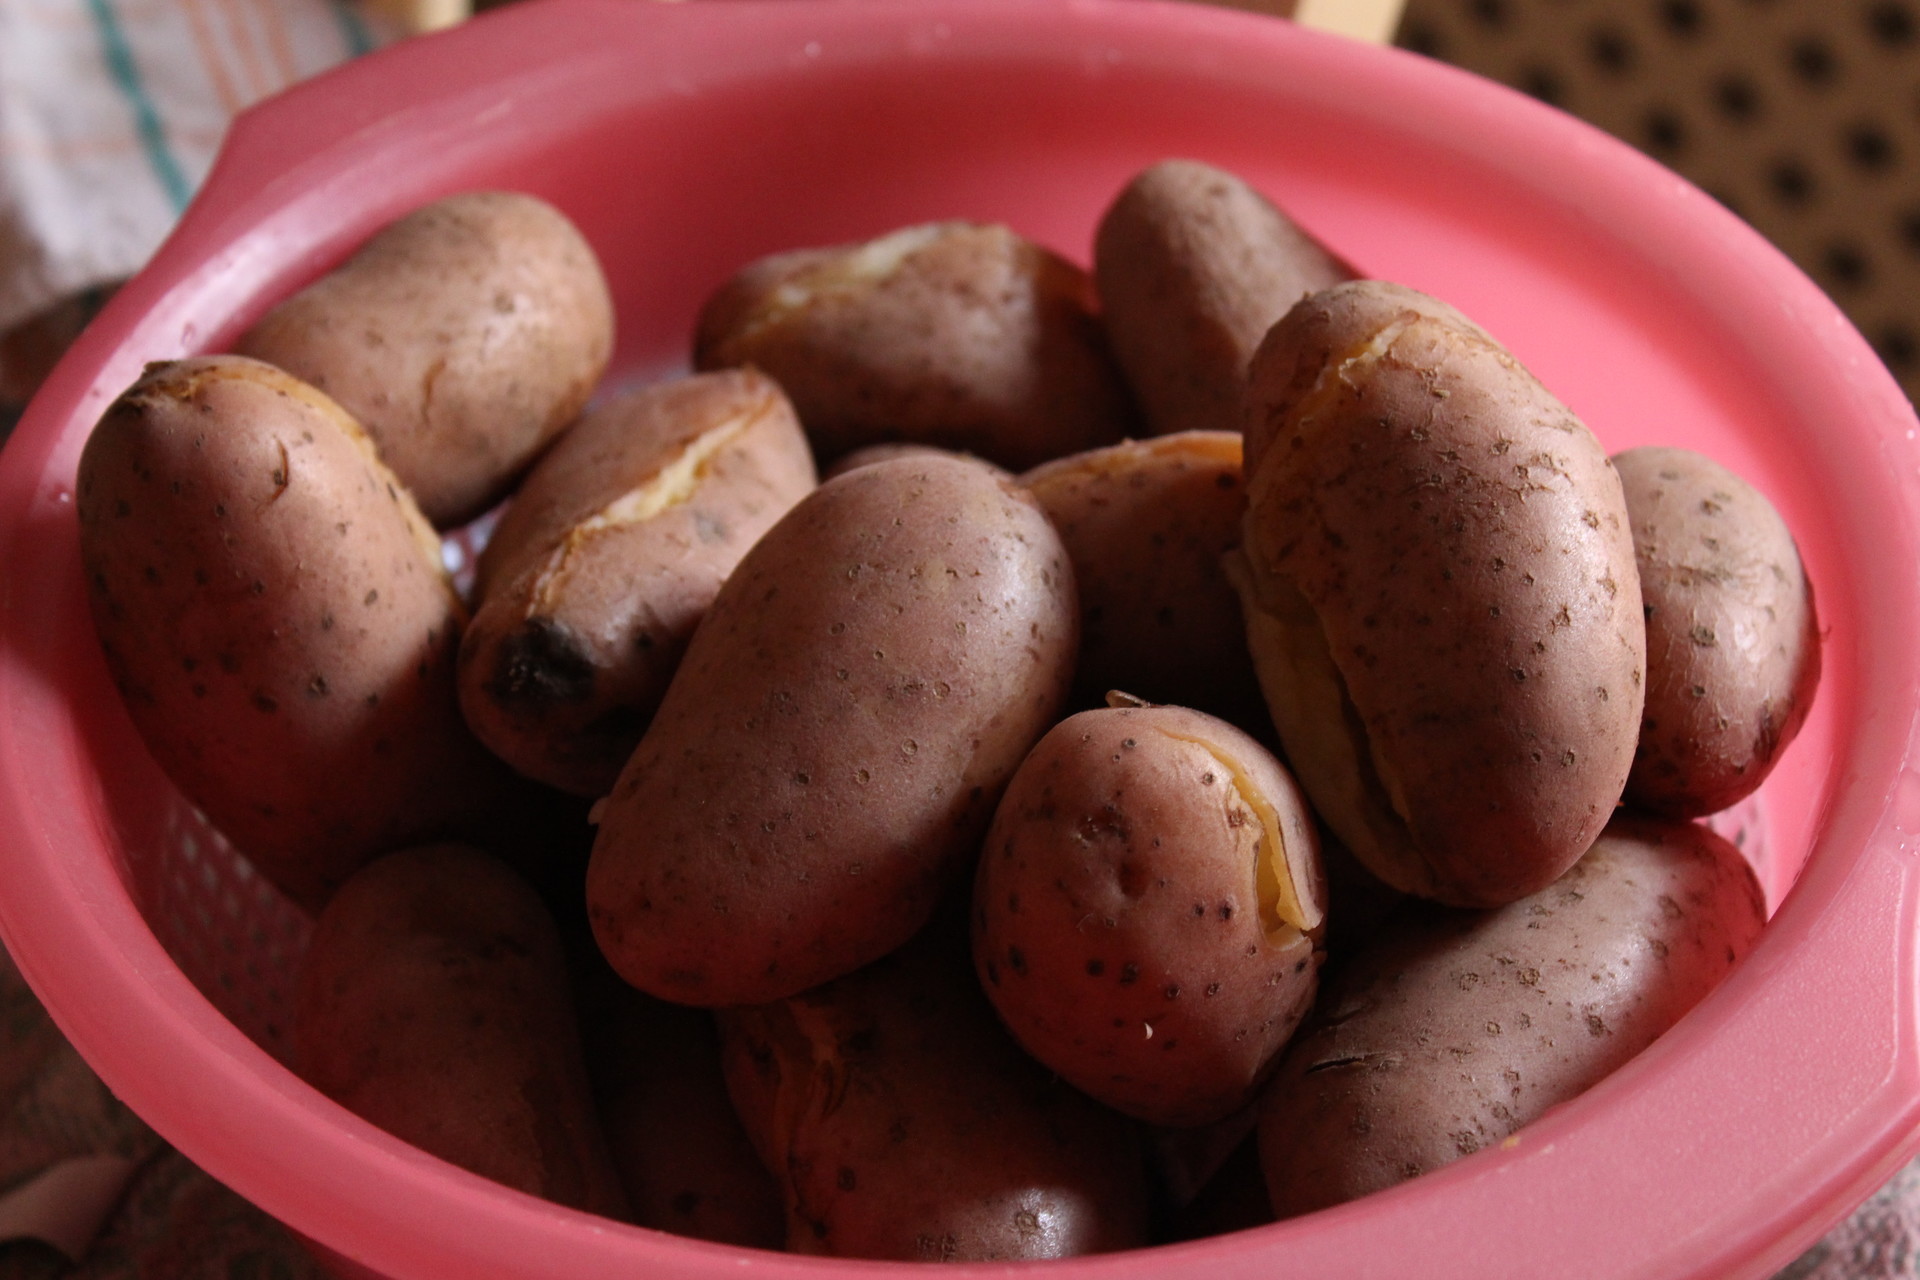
x=1802, y=116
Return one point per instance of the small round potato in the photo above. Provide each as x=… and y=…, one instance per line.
x=1146, y=910
x=1146, y=523
x=464, y=337
x=1733, y=644
x=433, y=1002
x=1440, y=593
x=1193, y=267
x=952, y=334
x=274, y=610
x=904, y=1124
x=830, y=752
x=607, y=559
x=1455, y=1028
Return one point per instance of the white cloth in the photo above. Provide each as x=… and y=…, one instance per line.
x=111, y=112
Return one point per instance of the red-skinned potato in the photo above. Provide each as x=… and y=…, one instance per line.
x=1147, y=908
x=830, y=752
x=953, y=334
x=1733, y=642
x=607, y=559
x=904, y=1124
x=275, y=613
x=1193, y=267
x=1455, y=1028
x=433, y=1001
x=463, y=336
x=1146, y=523
x=1440, y=594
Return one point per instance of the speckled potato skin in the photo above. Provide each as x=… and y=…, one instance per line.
x=1129, y=922
x=904, y=1124
x=952, y=334
x=828, y=757
x=1458, y=1027
x=463, y=336
x=275, y=614
x=1440, y=594
x=1193, y=267
x=1733, y=641
x=1146, y=523
x=433, y=1002
x=606, y=561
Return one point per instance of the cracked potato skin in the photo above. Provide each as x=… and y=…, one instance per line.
x=965, y=336
x=463, y=337
x=1733, y=639
x=830, y=752
x=1123, y=927
x=275, y=614
x=1441, y=595
x=606, y=561
x=903, y=1123
x=1454, y=1028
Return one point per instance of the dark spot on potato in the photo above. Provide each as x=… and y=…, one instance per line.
x=1096, y=967
x=265, y=703
x=846, y=1180
x=541, y=663
x=1596, y=1025
x=1017, y=961
x=372, y=596
x=1129, y=974
x=317, y=687
x=1172, y=992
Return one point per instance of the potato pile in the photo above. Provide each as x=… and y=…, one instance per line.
x=1211, y=699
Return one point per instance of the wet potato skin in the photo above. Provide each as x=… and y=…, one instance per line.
x=1193, y=267
x=844, y=720
x=274, y=611
x=953, y=334
x=433, y=1002
x=904, y=1124
x=1455, y=1028
x=1147, y=523
x=1441, y=595
x=1128, y=925
x=607, y=559
x=1733, y=639
x=463, y=336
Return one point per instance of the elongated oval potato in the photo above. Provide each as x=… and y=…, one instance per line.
x=1440, y=594
x=1733, y=641
x=433, y=1002
x=1193, y=267
x=274, y=611
x=904, y=1124
x=844, y=721
x=610, y=554
x=463, y=336
x=1146, y=911
x=1458, y=1027
x=964, y=336
x=1146, y=523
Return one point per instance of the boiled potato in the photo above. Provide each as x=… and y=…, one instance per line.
x=1733, y=643
x=963, y=336
x=828, y=756
x=685, y=1161
x=610, y=554
x=1440, y=593
x=904, y=1124
x=433, y=1002
x=464, y=337
x=1146, y=910
x=274, y=611
x=1146, y=523
x=1193, y=267
x=1458, y=1027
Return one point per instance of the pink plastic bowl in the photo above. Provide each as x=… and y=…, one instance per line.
x=686, y=140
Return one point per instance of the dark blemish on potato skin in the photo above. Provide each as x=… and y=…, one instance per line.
x=1096, y=967
x=1017, y=961
x=1129, y=974
x=265, y=703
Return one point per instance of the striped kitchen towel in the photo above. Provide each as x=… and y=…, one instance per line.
x=111, y=112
